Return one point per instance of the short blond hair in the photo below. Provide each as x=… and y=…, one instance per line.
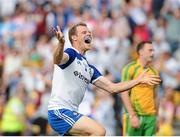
x=73, y=30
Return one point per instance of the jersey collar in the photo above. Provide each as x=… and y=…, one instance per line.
x=78, y=52
x=75, y=50
x=139, y=63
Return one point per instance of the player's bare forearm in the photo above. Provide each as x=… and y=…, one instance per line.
x=123, y=86
x=111, y=87
x=107, y=85
x=58, y=54
x=143, y=78
x=127, y=103
x=132, y=114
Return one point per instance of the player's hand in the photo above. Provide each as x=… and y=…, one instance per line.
x=59, y=35
x=134, y=121
x=149, y=79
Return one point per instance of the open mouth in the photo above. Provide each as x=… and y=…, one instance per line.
x=87, y=39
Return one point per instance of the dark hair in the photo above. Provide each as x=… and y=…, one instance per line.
x=72, y=30
x=141, y=45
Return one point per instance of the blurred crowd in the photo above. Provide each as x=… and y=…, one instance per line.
x=26, y=51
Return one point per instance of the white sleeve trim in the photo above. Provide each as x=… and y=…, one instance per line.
x=96, y=79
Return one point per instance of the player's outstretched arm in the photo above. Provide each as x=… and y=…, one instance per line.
x=59, y=57
x=111, y=87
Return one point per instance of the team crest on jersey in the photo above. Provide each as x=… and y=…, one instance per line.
x=78, y=62
x=90, y=71
x=85, y=65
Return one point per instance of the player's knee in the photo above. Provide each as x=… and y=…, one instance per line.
x=101, y=132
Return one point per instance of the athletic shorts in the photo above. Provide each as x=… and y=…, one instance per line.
x=62, y=120
x=147, y=126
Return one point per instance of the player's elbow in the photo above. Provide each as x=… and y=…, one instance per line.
x=56, y=59
x=55, y=62
x=116, y=88
x=112, y=89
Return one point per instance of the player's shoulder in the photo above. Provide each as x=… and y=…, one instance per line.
x=131, y=65
x=129, y=68
x=73, y=53
x=70, y=50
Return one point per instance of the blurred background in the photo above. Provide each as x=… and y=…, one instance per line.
x=26, y=51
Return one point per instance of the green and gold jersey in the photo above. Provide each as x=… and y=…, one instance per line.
x=142, y=95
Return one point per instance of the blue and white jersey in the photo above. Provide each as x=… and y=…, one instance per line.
x=70, y=81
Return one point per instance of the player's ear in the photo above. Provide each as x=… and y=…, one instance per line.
x=140, y=51
x=74, y=37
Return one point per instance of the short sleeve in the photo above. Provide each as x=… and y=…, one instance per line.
x=72, y=55
x=96, y=74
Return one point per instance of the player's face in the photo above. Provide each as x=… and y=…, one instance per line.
x=147, y=52
x=82, y=32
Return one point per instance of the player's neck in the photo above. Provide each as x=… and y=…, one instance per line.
x=143, y=62
x=82, y=52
